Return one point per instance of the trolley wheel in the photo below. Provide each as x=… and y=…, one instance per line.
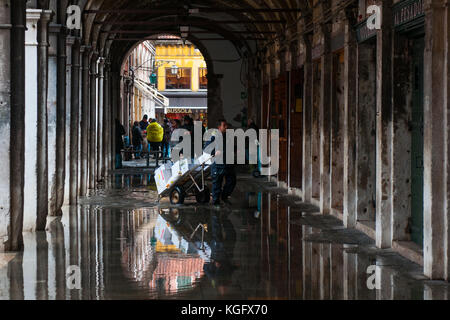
x=256, y=173
x=177, y=196
x=204, y=196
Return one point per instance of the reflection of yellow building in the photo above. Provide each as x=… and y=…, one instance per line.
x=187, y=85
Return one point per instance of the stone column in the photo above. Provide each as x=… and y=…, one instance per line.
x=115, y=114
x=325, y=121
x=350, y=132
x=106, y=121
x=215, y=103
x=401, y=138
x=293, y=52
x=61, y=116
x=42, y=138
x=70, y=41
x=93, y=122
x=74, y=123
x=384, y=128
x=307, y=119
x=52, y=117
x=366, y=134
x=31, y=107
x=100, y=120
x=436, y=231
x=84, y=125
x=12, y=123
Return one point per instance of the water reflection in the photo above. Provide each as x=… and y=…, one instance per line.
x=262, y=247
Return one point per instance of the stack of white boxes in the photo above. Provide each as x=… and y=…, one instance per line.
x=167, y=175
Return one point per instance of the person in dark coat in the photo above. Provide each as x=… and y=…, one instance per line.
x=144, y=123
x=166, y=139
x=120, y=131
x=137, y=140
x=221, y=172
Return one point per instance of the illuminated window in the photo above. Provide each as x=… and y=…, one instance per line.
x=203, y=80
x=182, y=80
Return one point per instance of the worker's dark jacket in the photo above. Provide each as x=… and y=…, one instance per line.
x=224, y=150
x=137, y=136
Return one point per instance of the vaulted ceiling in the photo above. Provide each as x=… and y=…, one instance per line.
x=248, y=24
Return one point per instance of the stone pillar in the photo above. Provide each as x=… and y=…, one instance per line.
x=215, y=103
x=307, y=120
x=74, y=123
x=12, y=123
x=61, y=115
x=84, y=125
x=350, y=132
x=401, y=138
x=106, y=121
x=366, y=138
x=52, y=117
x=115, y=114
x=384, y=128
x=93, y=122
x=338, y=155
x=42, y=118
x=315, y=130
x=100, y=120
x=31, y=107
x=436, y=257
x=293, y=66
x=325, y=121
x=70, y=41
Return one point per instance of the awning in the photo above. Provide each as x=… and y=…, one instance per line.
x=152, y=93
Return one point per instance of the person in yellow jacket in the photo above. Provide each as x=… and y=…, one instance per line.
x=155, y=134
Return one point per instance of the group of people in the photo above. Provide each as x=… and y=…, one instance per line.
x=153, y=136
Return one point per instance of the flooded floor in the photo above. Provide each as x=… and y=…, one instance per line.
x=119, y=243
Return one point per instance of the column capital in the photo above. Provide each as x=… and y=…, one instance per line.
x=86, y=49
x=46, y=15
x=56, y=28
x=70, y=40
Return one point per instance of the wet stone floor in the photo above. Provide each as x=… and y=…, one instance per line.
x=123, y=244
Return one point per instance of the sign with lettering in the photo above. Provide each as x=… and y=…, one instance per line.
x=363, y=32
x=408, y=11
x=179, y=110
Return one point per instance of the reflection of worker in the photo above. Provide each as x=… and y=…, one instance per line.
x=219, y=172
x=155, y=135
x=220, y=269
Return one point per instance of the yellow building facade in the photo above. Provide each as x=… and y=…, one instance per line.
x=189, y=61
x=182, y=78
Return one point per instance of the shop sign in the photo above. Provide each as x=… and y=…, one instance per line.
x=408, y=11
x=363, y=32
x=405, y=13
x=178, y=110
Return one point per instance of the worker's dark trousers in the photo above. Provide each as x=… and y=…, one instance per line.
x=219, y=173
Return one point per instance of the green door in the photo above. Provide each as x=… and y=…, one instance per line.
x=417, y=145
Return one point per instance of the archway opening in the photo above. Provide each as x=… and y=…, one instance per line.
x=163, y=79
